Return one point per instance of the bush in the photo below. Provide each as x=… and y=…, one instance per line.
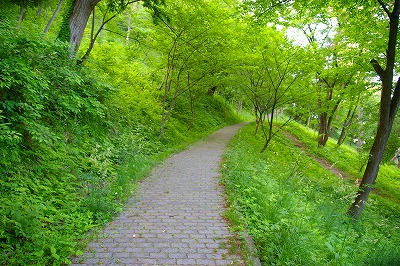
x=72, y=146
x=43, y=99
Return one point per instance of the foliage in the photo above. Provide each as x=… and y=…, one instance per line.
x=74, y=139
x=296, y=210
x=42, y=98
x=274, y=72
x=73, y=145
x=393, y=142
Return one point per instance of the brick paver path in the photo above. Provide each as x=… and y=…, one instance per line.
x=175, y=217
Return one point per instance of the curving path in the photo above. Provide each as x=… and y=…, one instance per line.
x=175, y=216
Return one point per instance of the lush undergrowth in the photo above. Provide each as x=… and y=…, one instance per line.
x=295, y=209
x=349, y=160
x=73, y=145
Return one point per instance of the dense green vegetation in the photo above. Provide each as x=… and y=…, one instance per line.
x=87, y=108
x=296, y=210
x=72, y=145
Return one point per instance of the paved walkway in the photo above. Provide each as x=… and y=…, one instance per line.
x=175, y=216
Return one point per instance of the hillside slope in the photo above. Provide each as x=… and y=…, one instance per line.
x=73, y=142
x=295, y=209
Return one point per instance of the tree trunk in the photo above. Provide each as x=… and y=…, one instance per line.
x=239, y=106
x=308, y=121
x=167, y=87
x=323, y=129
x=361, y=133
x=323, y=122
x=77, y=22
x=191, y=101
x=39, y=9
x=342, y=136
x=268, y=137
x=257, y=123
x=128, y=31
x=52, y=18
x=371, y=172
x=389, y=103
x=326, y=122
x=21, y=12
x=346, y=124
x=92, y=38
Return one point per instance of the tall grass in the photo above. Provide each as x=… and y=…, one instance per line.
x=295, y=209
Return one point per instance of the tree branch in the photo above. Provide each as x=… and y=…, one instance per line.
x=271, y=7
x=394, y=104
x=383, y=5
x=378, y=69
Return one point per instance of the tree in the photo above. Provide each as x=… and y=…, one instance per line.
x=348, y=120
x=106, y=18
x=389, y=103
x=52, y=18
x=362, y=40
x=75, y=23
x=194, y=59
x=76, y=19
x=271, y=67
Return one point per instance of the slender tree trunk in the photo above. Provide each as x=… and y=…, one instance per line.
x=93, y=37
x=258, y=119
x=21, y=12
x=128, y=32
x=361, y=133
x=167, y=88
x=39, y=9
x=346, y=124
x=323, y=129
x=389, y=103
x=323, y=121
x=191, y=99
x=326, y=122
x=52, y=18
x=168, y=113
x=308, y=121
x=81, y=11
x=332, y=114
x=239, y=106
x=342, y=136
x=268, y=137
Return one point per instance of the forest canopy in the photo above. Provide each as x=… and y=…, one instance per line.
x=95, y=92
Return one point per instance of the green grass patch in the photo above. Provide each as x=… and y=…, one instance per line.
x=348, y=159
x=296, y=210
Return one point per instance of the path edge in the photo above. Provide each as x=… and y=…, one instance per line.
x=242, y=235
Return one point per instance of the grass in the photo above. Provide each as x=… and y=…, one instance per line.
x=349, y=160
x=295, y=209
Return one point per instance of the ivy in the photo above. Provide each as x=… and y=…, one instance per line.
x=64, y=33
